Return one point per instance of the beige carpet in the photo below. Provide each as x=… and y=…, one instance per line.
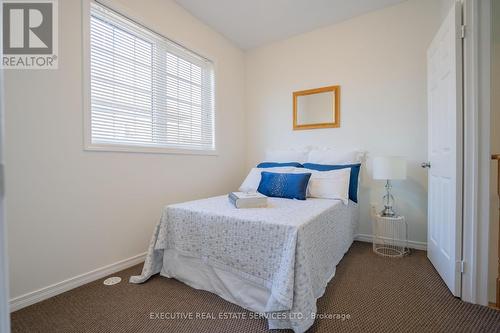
x=379, y=295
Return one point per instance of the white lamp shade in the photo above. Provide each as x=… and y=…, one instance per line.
x=389, y=168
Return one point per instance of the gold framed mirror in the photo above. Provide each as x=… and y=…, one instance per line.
x=316, y=108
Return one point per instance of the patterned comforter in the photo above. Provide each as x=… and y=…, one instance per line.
x=291, y=247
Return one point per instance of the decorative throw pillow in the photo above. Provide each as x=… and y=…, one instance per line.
x=332, y=184
x=284, y=185
x=354, y=178
x=252, y=181
x=279, y=164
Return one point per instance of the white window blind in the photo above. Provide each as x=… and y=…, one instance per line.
x=145, y=89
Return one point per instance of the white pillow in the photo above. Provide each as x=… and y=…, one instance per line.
x=333, y=156
x=286, y=155
x=332, y=184
x=252, y=181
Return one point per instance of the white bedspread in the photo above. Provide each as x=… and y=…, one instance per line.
x=290, y=248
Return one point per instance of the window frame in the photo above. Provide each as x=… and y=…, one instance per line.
x=86, y=85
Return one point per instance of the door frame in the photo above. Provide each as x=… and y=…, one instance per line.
x=475, y=241
x=4, y=279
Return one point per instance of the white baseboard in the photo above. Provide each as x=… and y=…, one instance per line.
x=411, y=244
x=71, y=283
x=60, y=287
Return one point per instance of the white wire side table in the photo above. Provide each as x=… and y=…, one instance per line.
x=390, y=236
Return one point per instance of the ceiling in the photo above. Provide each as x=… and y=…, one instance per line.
x=252, y=23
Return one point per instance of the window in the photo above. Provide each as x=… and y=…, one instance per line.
x=145, y=90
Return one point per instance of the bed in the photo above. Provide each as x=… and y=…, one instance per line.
x=275, y=261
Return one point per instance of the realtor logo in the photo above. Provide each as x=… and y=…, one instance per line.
x=29, y=34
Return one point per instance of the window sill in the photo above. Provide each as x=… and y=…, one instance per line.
x=147, y=150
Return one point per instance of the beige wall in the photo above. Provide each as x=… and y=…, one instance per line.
x=70, y=211
x=495, y=149
x=379, y=59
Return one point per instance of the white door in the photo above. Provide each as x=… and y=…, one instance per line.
x=444, y=226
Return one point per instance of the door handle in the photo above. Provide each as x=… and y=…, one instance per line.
x=426, y=165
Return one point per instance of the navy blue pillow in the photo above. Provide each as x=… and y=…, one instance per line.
x=353, y=181
x=284, y=185
x=276, y=164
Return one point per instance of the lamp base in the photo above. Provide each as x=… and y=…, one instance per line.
x=388, y=200
x=387, y=212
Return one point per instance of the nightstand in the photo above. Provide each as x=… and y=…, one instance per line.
x=390, y=236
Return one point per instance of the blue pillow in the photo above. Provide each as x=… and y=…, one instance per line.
x=284, y=185
x=276, y=164
x=353, y=181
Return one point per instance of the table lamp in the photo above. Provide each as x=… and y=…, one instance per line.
x=389, y=168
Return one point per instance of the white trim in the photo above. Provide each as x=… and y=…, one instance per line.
x=484, y=151
x=470, y=152
x=143, y=149
x=71, y=283
x=411, y=244
x=87, y=138
x=477, y=44
x=4, y=271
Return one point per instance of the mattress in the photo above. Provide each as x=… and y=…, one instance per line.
x=276, y=260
